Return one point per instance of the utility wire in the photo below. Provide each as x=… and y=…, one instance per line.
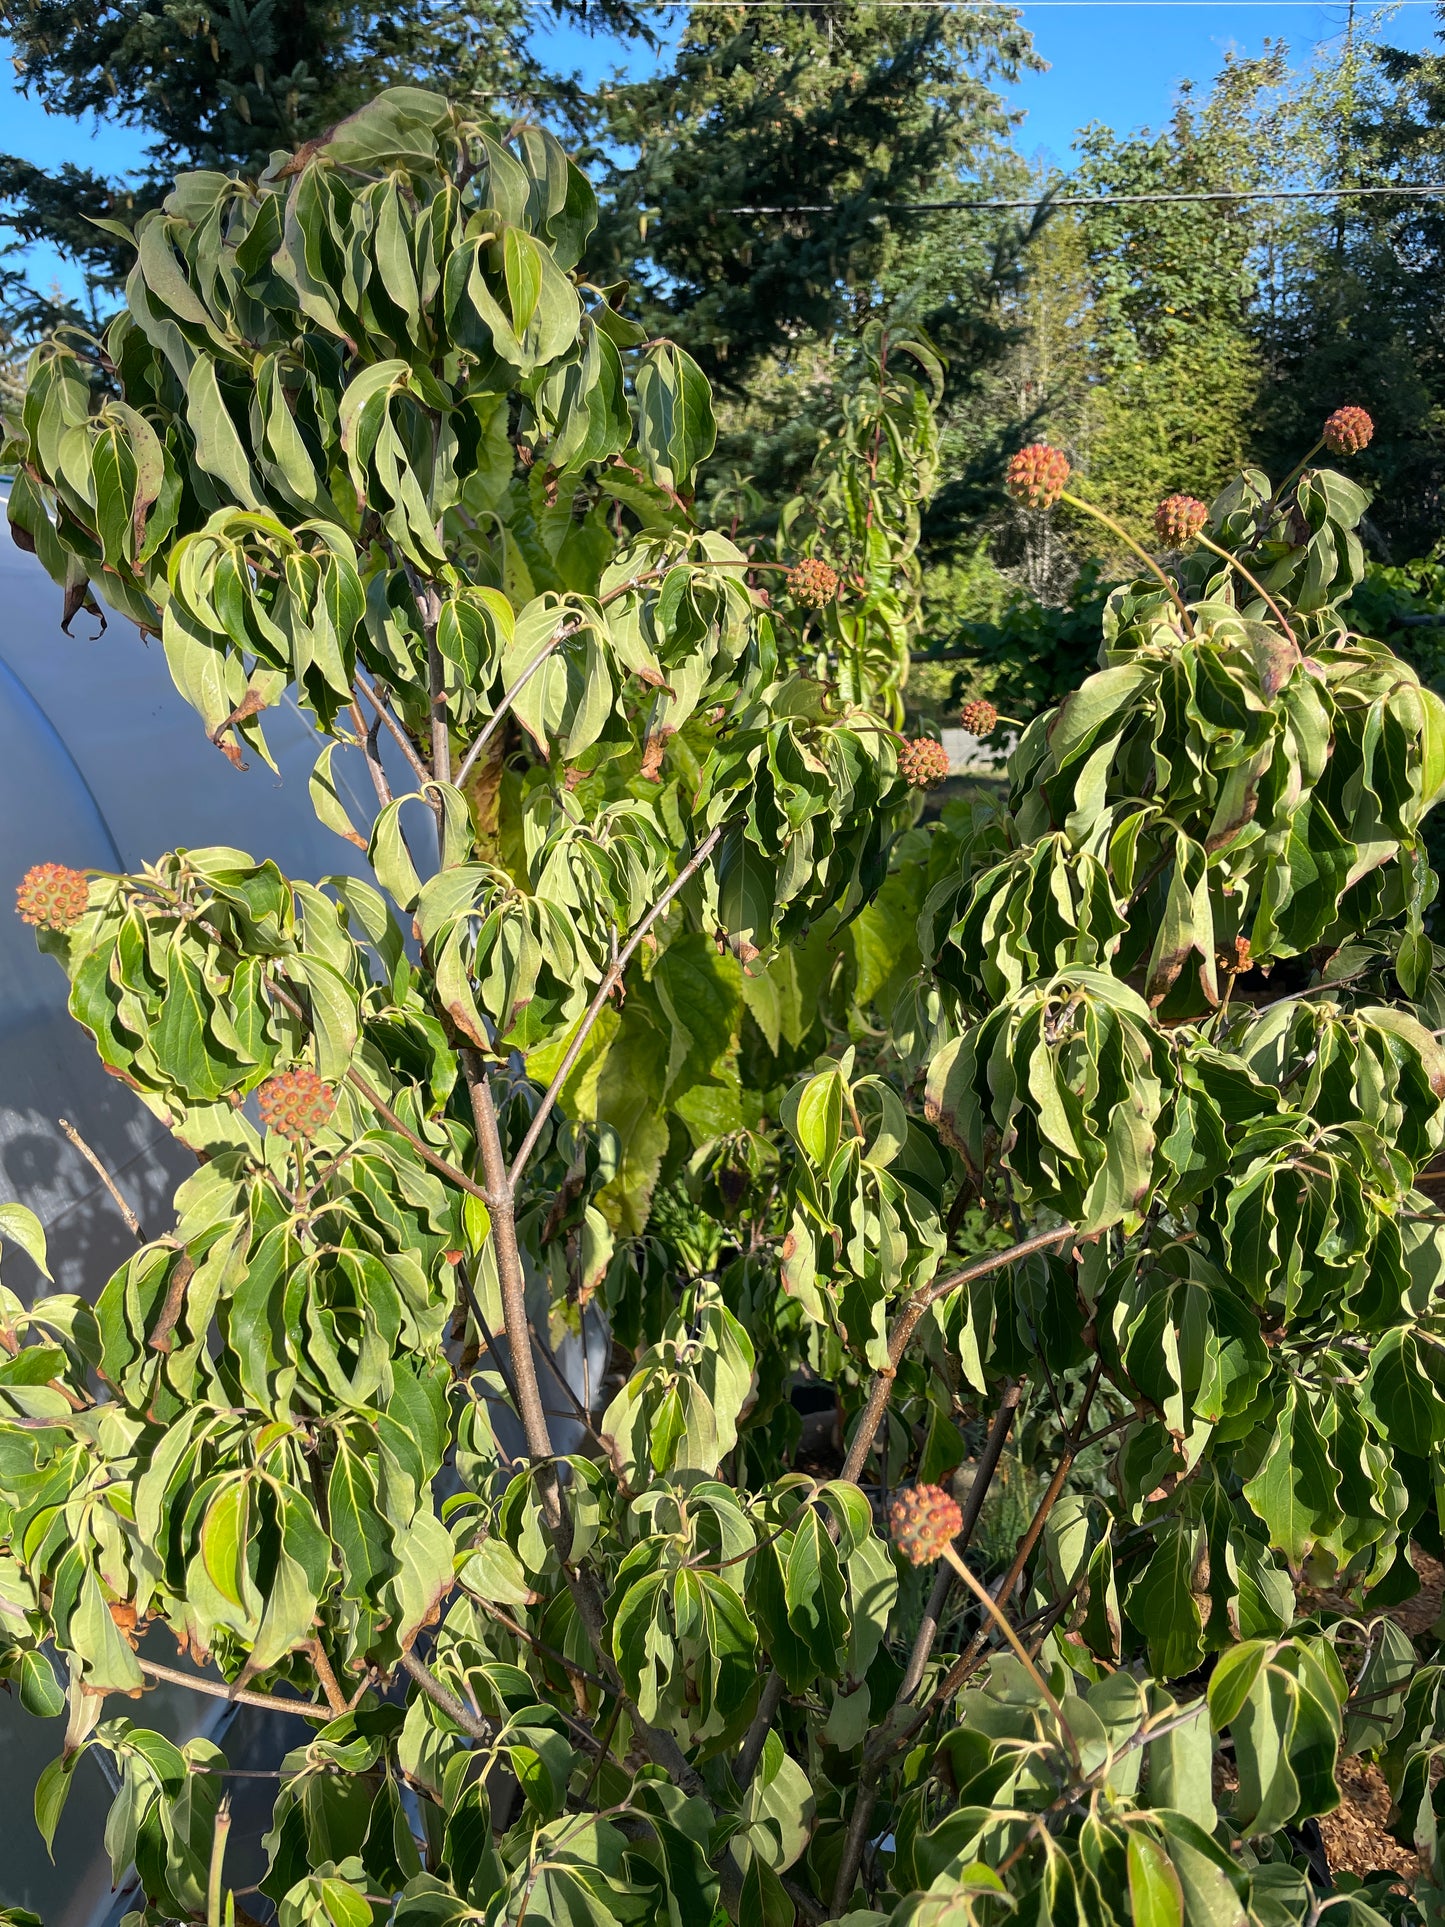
x=1424, y=190
x=950, y=6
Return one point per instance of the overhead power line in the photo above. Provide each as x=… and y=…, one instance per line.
x=1423, y=190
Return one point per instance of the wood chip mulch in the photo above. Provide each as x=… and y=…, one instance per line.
x=1356, y=1835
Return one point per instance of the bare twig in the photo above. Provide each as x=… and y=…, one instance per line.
x=237, y=1695
x=604, y=990
x=132, y=1221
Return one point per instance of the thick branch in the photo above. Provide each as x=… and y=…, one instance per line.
x=604, y=990
x=759, y=1728
x=499, y=1198
x=441, y=742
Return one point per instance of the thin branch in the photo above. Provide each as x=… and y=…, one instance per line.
x=1145, y=1735
x=1234, y=563
x=132, y=1221
x=499, y=714
x=541, y=1648
x=988, y=1460
x=394, y=728
x=1310, y=990
x=434, y=1158
x=237, y=1695
x=570, y=629
x=366, y=736
x=968, y=1662
x=889, y=1738
x=1001, y=1620
x=472, y=1724
x=881, y=1390
x=335, y=1698
x=604, y=990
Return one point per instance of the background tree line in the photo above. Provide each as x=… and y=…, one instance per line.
x=1163, y=344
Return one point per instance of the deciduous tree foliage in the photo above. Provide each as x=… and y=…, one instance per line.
x=664, y=1017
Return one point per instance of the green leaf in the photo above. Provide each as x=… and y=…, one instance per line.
x=1294, y=1490
x=1155, y=1896
x=52, y=1790
x=1399, y=1398
x=675, y=430
x=225, y=1535
x=41, y=1692
x=27, y=1231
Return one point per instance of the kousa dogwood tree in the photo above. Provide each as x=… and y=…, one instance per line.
x=646, y=1012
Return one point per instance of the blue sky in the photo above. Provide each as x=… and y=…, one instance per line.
x=1120, y=64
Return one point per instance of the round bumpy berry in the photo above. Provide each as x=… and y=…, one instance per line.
x=923, y=763
x=1038, y=475
x=979, y=717
x=923, y=1519
x=52, y=896
x=812, y=582
x=296, y=1103
x=1178, y=519
x=1347, y=431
